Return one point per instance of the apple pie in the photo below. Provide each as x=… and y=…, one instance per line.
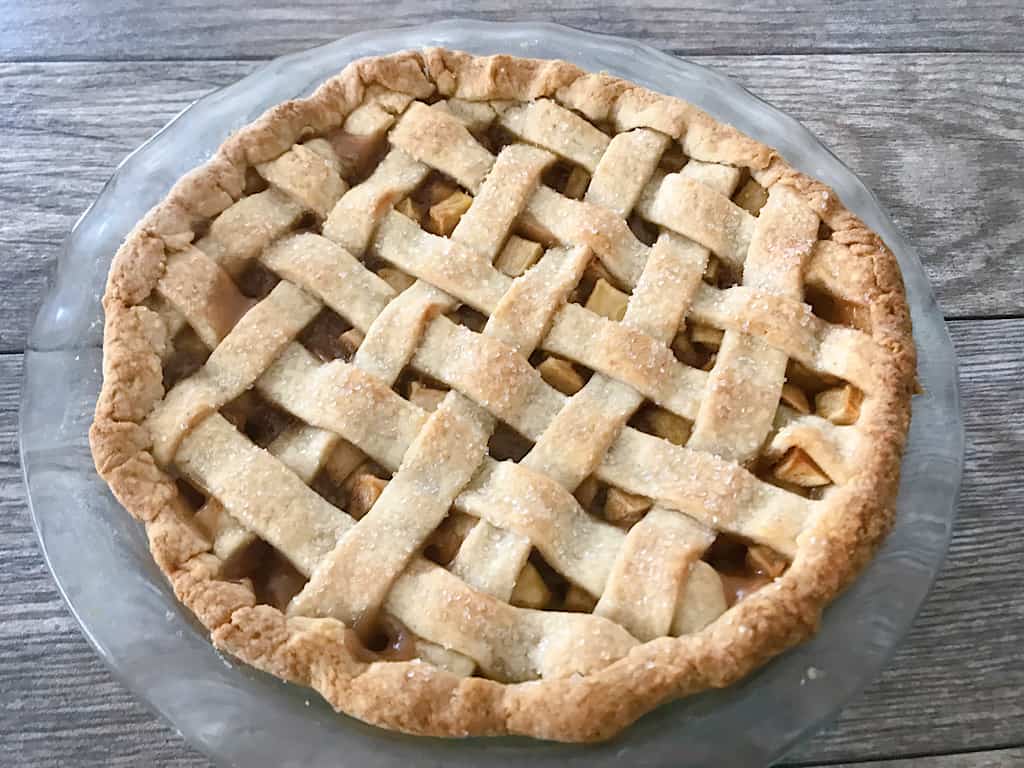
x=486, y=395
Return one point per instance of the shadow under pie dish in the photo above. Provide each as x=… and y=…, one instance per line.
x=486, y=396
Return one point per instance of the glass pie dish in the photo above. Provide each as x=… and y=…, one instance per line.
x=238, y=715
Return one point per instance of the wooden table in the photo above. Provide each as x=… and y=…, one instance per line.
x=923, y=100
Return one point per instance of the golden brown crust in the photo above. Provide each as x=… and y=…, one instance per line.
x=418, y=697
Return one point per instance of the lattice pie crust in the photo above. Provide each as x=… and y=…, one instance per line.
x=486, y=395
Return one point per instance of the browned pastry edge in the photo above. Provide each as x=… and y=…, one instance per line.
x=418, y=697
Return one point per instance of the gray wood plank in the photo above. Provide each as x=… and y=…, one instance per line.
x=1000, y=758
x=935, y=135
x=957, y=685
x=135, y=29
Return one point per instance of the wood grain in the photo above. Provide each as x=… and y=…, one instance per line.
x=1001, y=758
x=936, y=137
x=135, y=29
x=956, y=685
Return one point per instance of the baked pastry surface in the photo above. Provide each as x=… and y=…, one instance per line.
x=485, y=395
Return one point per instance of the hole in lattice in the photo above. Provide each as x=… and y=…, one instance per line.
x=420, y=389
x=240, y=563
x=836, y=310
x=200, y=228
x=441, y=218
x=498, y=137
x=358, y=154
x=603, y=126
x=775, y=470
x=377, y=641
x=357, y=491
x=328, y=337
x=531, y=590
x=546, y=588
x=413, y=210
x=624, y=509
x=275, y=580
x=435, y=188
x=308, y=222
x=655, y=420
x=470, y=318
x=528, y=228
x=443, y=544
x=364, y=487
x=256, y=281
x=566, y=376
x=705, y=337
x=539, y=585
x=193, y=497
x=396, y=278
x=373, y=262
x=381, y=637
x=567, y=179
x=840, y=404
x=506, y=444
x=600, y=292
x=259, y=420
x=824, y=231
x=330, y=489
x=591, y=495
x=720, y=274
x=811, y=382
x=517, y=255
x=189, y=354
x=695, y=355
x=437, y=204
x=750, y=196
x=645, y=232
x=253, y=183
x=673, y=159
x=743, y=566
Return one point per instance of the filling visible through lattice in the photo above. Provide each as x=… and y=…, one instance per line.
x=479, y=377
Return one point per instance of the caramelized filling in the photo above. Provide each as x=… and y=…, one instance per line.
x=443, y=544
x=193, y=497
x=188, y=357
x=507, y=445
x=470, y=318
x=737, y=587
x=838, y=311
x=254, y=183
x=322, y=337
x=329, y=489
x=591, y=494
x=743, y=574
x=743, y=567
x=256, y=281
x=809, y=381
x=644, y=232
x=435, y=188
x=380, y=638
x=277, y=581
x=264, y=422
x=557, y=584
x=498, y=137
x=358, y=154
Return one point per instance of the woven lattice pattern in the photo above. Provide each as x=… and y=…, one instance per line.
x=506, y=391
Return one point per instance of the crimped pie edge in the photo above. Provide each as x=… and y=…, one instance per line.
x=416, y=697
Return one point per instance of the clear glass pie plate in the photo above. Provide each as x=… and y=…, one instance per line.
x=238, y=716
